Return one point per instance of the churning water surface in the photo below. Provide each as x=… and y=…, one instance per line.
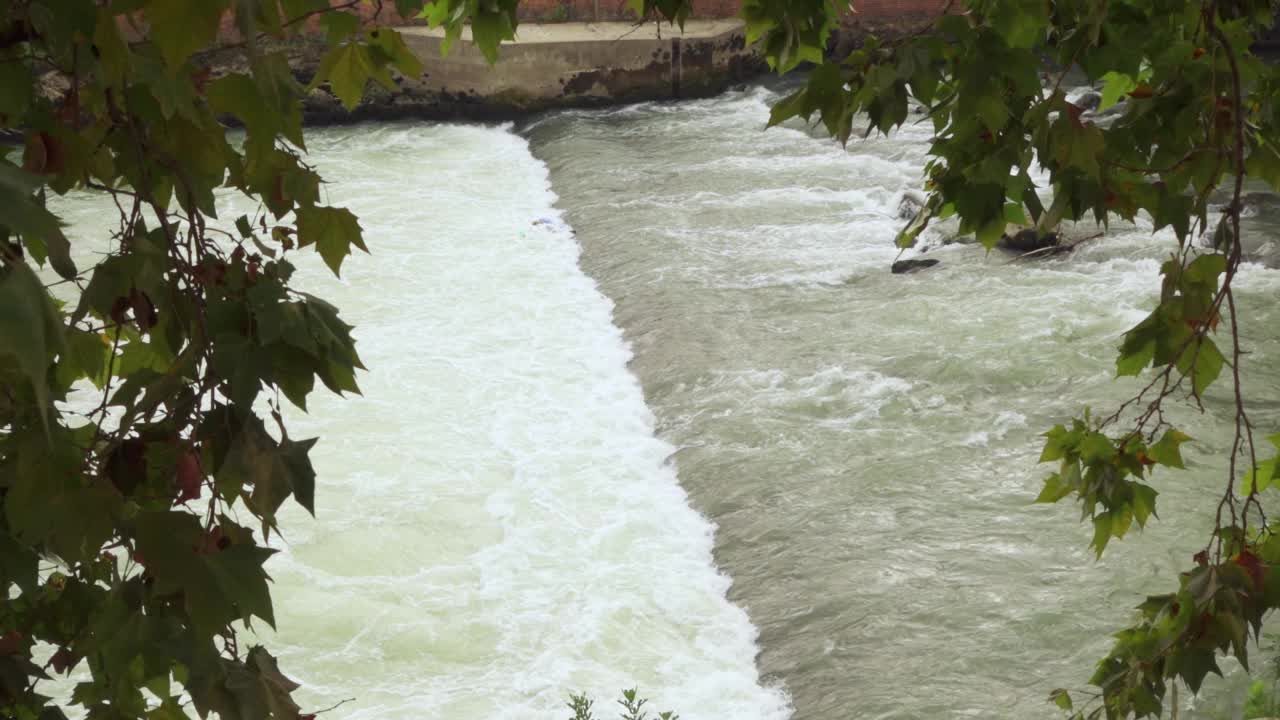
x=707, y=309
x=866, y=442
x=498, y=524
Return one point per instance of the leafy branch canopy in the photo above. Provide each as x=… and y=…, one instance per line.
x=1192, y=114
x=140, y=398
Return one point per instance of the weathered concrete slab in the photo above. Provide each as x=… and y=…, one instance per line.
x=610, y=32
x=561, y=65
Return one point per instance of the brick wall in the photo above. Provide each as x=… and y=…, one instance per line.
x=870, y=11
x=387, y=16
x=882, y=18
x=529, y=11
x=896, y=9
x=608, y=10
x=873, y=15
x=134, y=26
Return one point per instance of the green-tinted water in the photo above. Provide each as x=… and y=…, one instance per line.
x=866, y=442
x=498, y=524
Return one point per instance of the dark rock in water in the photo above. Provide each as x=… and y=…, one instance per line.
x=1028, y=240
x=910, y=205
x=1089, y=100
x=903, y=267
x=1265, y=253
x=1104, y=118
x=1259, y=218
x=53, y=86
x=324, y=105
x=1256, y=203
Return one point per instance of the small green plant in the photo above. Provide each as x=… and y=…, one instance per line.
x=581, y=707
x=1263, y=699
x=632, y=707
x=559, y=14
x=1260, y=702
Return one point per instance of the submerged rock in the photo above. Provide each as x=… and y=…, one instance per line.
x=1028, y=240
x=1259, y=218
x=1087, y=100
x=902, y=267
x=1104, y=118
x=1253, y=204
x=911, y=204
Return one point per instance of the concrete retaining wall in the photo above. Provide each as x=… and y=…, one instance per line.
x=612, y=10
x=886, y=19
x=557, y=66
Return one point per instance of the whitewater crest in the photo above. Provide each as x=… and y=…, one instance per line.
x=511, y=528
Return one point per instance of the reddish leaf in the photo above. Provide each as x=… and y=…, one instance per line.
x=200, y=79
x=188, y=477
x=1073, y=113
x=35, y=156
x=211, y=542
x=11, y=642
x=127, y=465
x=63, y=660
x=144, y=311
x=119, y=308
x=43, y=154
x=1252, y=565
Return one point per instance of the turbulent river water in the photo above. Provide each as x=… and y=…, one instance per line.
x=697, y=333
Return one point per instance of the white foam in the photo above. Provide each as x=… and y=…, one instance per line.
x=498, y=525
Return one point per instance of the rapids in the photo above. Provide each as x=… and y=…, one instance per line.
x=675, y=425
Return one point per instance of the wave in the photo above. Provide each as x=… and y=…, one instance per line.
x=503, y=526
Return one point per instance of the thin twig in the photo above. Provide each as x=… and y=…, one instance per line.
x=335, y=706
x=1243, y=436
x=1055, y=249
x=344, y=6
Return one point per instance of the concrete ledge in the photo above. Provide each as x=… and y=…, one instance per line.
x=610, y=32
x=556, y=66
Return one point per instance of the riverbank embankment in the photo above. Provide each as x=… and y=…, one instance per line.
x=547, y=66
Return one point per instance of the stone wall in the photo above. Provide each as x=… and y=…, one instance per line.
x=859, y=18
x=529, y=11
x=606, y=10
x=611, y=10
x=1270, y=40
x=552, y=66
x=580, y=62
x=884, y=19
x=896, y=9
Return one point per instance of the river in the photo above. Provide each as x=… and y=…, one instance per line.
x=645, y=407
x=866, y=442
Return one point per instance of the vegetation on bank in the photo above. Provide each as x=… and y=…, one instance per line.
x=134, y=524
x=631, y=708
